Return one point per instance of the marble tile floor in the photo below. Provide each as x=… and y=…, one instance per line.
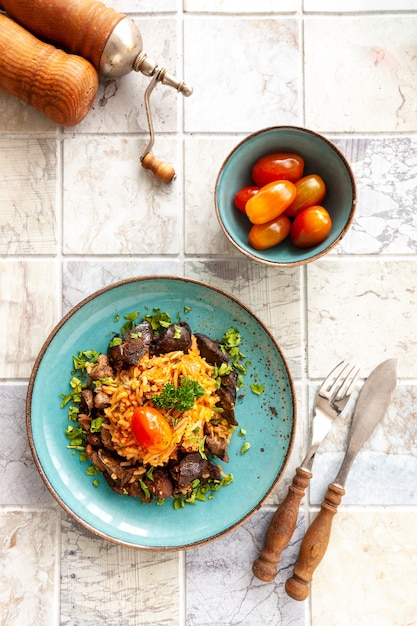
x=73, y=203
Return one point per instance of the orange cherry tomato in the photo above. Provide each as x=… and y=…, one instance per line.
x=270, y=201
x=311, y=191
x=310, y=227
x=277, y=166
x=151, y=430
x=264, y=236
x=243, y=195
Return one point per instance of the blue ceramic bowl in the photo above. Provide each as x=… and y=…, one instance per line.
x=269, y=418
x=320, y=157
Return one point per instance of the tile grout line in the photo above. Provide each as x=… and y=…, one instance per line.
x=180, y=151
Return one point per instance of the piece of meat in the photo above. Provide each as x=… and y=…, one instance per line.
x=115, y=469
x=94, y=439
x=229, y=381
x=127, y=353
x=101, y=369
x=84, y=421
x=175, y=337
x=216, y=445
x=144, y=330
x=101, y=399
x=227, y=396
x=193, y=467
x=132, y=347
x=106, y=438
x=135, y=491
x=86, y=402
x=227, y=404
x=210, y=350
x=92, y=454
x=161, y=484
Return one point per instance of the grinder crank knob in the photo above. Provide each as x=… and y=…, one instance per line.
x=61, y=85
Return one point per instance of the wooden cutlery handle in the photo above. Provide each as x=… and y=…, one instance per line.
x=281, y=528
x=314, y=545
x=61, y=85
x=82, y=27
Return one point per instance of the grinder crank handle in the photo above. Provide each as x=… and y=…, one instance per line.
x=61, y=85
x=281, y=528
x=314, y=545
x=82, y=27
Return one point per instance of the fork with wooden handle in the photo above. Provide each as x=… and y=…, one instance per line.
x=332, y=397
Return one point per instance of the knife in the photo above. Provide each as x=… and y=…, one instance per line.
x=371, y=407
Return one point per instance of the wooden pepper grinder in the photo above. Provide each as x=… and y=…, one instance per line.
x=108, y=39
x=63, y=86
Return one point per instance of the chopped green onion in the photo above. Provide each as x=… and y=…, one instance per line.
x=245, y=447
x=258, y=389
x=95, y=426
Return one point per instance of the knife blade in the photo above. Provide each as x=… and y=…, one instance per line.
x=370, y=408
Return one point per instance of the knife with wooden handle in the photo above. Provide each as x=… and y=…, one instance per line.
x=63, y=86
x=371, y=407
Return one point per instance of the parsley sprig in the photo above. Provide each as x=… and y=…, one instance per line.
x=180, y=398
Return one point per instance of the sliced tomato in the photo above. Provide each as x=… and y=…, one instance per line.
x=151, y=430
x=264, y=236
x=277, y=166
x=311, y=191
x=270, y=201
x=243, y=195
x=310, y=227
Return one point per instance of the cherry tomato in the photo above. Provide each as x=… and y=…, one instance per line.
x=310, y=227
x=270, y=201
x=243, y=195
x=277, y=166
x=151, y=430
x=263, y=236
x=311, y=190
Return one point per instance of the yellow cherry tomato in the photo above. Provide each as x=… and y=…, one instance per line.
x=270, y=234
x=270, y=201
x=311, y=191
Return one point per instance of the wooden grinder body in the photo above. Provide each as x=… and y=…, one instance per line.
x=63, y=86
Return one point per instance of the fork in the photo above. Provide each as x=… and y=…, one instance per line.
x=330, y=401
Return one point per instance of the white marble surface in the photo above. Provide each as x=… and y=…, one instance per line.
x=74, y=213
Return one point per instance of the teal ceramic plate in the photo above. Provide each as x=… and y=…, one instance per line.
x=269, y=419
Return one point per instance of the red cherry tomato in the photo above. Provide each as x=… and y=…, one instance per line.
x=151, y=430
x=277, y=166
x=264, y=236
x=311, y=190
x=270, y=201
x=243, y=195
x=310, y=227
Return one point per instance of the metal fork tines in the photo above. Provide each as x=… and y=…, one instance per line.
x=339, y=384
x=331, y=399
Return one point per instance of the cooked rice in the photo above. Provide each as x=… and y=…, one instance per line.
x=136, y=387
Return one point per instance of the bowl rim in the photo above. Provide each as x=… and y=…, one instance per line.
x=43, y=473
x=332, y=244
